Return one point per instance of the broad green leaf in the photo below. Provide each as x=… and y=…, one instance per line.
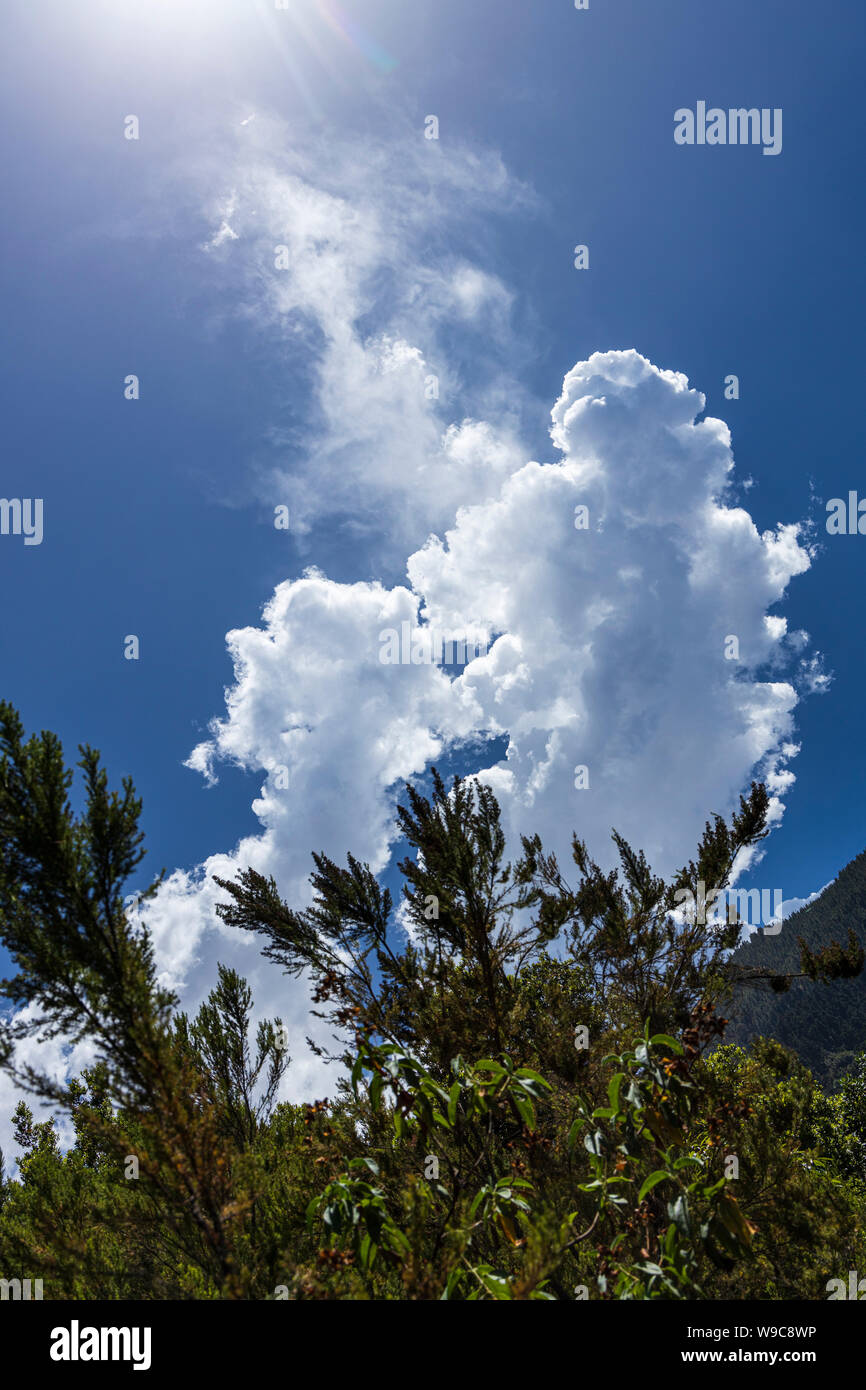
x=526, y=1112
x=654, y=1178
x=678, y=1212
x=494, y=1283
x=488, y=1064
x=613, y=1089
x=593, y=1142
x=453, y=1098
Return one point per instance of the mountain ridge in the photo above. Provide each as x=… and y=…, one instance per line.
x=825, y=1024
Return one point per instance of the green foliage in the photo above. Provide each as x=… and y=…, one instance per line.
x=530, y=1098
x=682, y=1213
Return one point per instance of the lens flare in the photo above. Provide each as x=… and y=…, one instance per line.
x=354, y=34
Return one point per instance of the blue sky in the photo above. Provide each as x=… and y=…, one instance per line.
x=556, y=128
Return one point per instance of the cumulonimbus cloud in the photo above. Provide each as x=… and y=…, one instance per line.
x=610, y=582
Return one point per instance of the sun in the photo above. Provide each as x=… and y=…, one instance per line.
x=223, y=46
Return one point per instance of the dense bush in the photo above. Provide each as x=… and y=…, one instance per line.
x=530, y=1097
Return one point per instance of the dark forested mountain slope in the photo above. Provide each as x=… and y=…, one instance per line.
x=824, y=1023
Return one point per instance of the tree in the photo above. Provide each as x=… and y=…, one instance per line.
x=86, y=969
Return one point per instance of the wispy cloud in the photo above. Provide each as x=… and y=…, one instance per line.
x=367, y=262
